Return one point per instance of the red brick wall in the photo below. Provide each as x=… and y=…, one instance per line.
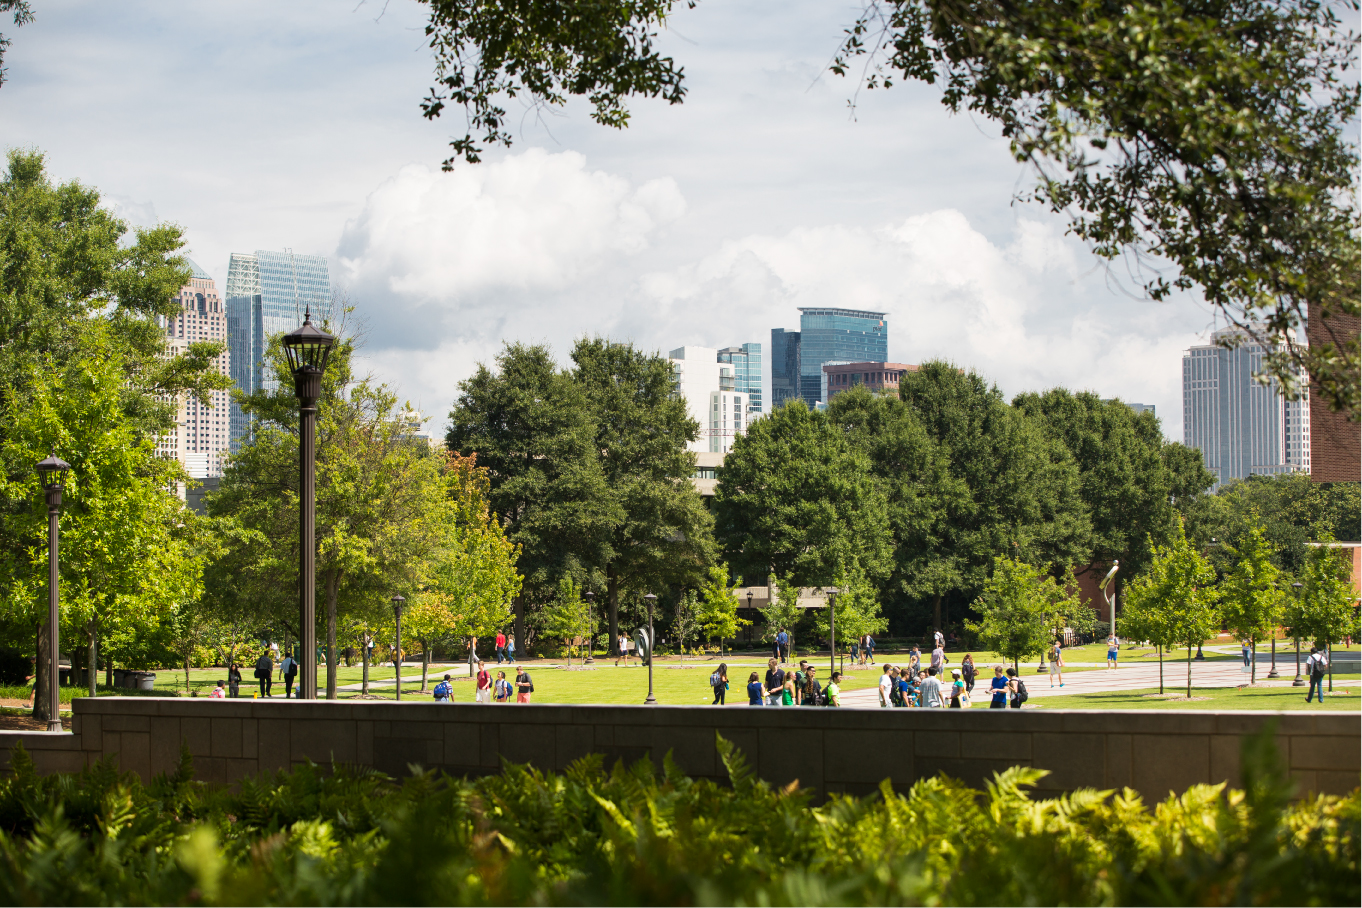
x=1335, y=441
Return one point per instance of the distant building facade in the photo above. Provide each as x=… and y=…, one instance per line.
x=709, y=389
x=1243, y=427
x=200, y=438
x=1335, y=440
x=267, y=293
x=1141, y=408
x=784, y=367
x=837, y=335
x=838, y=377
x=746, y=363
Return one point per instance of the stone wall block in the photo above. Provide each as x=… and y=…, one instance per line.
x=937, y=744
x=1327, y=752
x=90, y=731
x=978, y=745
x=198, y=732
x=1119, y=773
x=126, y=723
x=463, y=744
x=535, y=744
x=274, y=745
x=1164, y=763
x=1328, y=781
x=1074, y=760
x=135, y=754
x=250, y=739
x=789, y=755
x=165, y=744
x=227, y=737
x=322, y=741
x=867, y=757
x=572, y=742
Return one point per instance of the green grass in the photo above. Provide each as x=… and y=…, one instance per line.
x=1221, y=698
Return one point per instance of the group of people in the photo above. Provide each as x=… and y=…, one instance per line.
x=492, y=690
x=782, y=686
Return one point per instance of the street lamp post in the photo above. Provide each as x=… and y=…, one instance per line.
x=590, y=598
x=308, y=349
x=398, y=602
x=832, y=628
x=652, y=650
x=1299, y=681
x=52, y=471
x=1272, y=672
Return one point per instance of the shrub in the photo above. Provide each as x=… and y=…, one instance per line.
x=630, y=836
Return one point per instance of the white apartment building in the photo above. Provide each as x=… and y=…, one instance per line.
x=200, y=438
x=708, y=388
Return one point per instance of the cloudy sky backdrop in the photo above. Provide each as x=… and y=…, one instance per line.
x=265, y=125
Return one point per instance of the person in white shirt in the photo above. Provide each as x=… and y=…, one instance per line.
x=929, y=693
x=886, y=687
x=939, y=640
x=1315, y=669
x=939, y=659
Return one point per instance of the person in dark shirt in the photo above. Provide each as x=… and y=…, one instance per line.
x=755, y=692
x=775, y=681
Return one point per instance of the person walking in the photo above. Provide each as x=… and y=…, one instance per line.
x=869, y=647
x=1316, y=667
x=914, y=661
x=903, y=685
x=718, y=682
x=1057, y=664
x=264, y=673
x=756, y=693
x=1016, y=690
x=623, y=651
x=787, y=692
x=938, y=640
x=234, y=681
x=510, y=647
x=886, y=686
x=500, y=647
x=930, y=692
x=999, y=688
x=939, y=655
x=959, y=697
x=443, y=691
x=782, y=645
x=482, y=693
x=289, y=669
x=1246, y=647
x=219, y=692
x=1113, y=650
x=834, y=690
x=812, y=692
x=968, y=673
x=775, y=682
x=524, y=687
x=502, y=688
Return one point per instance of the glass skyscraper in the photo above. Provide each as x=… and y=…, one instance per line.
x=267, y=293
x=1242, y=426
x=746, y=362
x=784, y=367
x=833, y=335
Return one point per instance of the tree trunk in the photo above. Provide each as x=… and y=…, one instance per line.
x=1189, y=671
x=425, y=663
x=612, y=597
x=364, y=654
x=108, y=673
x=41, y=667
x=333, y=579
x=188, y=655
x=936, y=613
x=518, y=624
x=1160, y=669
x=92, y=628
x=1253, y=662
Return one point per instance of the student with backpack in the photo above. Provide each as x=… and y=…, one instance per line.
x=1316, y=667
x=718, y=682
x=443, y=691
x=834, y=690
x=812, y=694
x=502, y=688
x=483, y=692
x=524, y=686
x=264, y=673
x=1017, y=693
x=289, y=667
x=999, y=687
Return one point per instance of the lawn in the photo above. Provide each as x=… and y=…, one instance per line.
x=1273, y=698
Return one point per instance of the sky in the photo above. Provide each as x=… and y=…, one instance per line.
x=297, y=125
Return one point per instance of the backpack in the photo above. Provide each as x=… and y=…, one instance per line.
x=714, y=680
x=442, y=690
x=1317, y=669
x=1022, y=695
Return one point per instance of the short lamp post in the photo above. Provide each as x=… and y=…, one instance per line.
x=1299, y=681
x=52, y=472
x=398, y=602
x=308, y=348
x=590, y=598
x=652, y=649
x=832, y=628
x=1272, y=672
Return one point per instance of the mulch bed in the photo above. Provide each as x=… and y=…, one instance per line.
x=26, y=723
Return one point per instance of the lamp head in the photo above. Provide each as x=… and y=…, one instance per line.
x=398, y=601
x=1115, y=566
x=650, y=598
x=52, y=471
x=589, y=596
x=308, y=347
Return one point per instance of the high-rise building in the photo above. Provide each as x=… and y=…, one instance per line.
x=746, y=363
x=200, y=438
x=709, y=389
x=878, y=377
x=267, y=293
x=784, y=367
x=837, y=335
x=1243, y=426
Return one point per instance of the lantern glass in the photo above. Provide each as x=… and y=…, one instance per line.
x=52, y=471
x=308, y=347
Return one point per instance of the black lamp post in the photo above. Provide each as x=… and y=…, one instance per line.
x=308, y=349
x=398, y=602
x=1272, y=672
x=590, y=598
x=652, y=650
x=832, y=627
x=52, y=472
x=1299, y=681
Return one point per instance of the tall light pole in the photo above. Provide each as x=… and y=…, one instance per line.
x=590, y=598
x=398, y=602
x=1272, y=672
x=832, y=628
x=308, y=348
x=52, y=470
x=1110, y=597
x=652, y=649
x=1299, y=682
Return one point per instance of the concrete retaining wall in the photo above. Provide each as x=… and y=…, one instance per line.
x=1153, y=751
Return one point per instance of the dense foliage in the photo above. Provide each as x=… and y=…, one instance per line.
x=631, y=836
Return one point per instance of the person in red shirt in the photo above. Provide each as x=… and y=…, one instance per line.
x=501, y=647
x=484, y=677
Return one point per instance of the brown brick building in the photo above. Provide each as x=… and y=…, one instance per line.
x=1335, y=441
x=875, y=376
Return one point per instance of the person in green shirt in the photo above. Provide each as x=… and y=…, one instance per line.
x=834, y=690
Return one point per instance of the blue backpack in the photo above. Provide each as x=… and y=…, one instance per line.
x=442, y=690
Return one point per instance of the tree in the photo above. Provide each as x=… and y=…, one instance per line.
x=717, y=612
x=794, y=499
x=1253, y=604
x=568, y=618
x=685, y=619
x=783, y=612
x=858, y=609
x=1016, y=606
x=1173, y=603
x=530, y=426
x=1327, y=608
x=660, y=532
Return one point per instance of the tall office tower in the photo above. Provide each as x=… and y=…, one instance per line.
x=784, y=367
x=746, y=363
x=200, y=439
x=1242, y=426
x=709, y=389
x=267, y=293
x=837, y=335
